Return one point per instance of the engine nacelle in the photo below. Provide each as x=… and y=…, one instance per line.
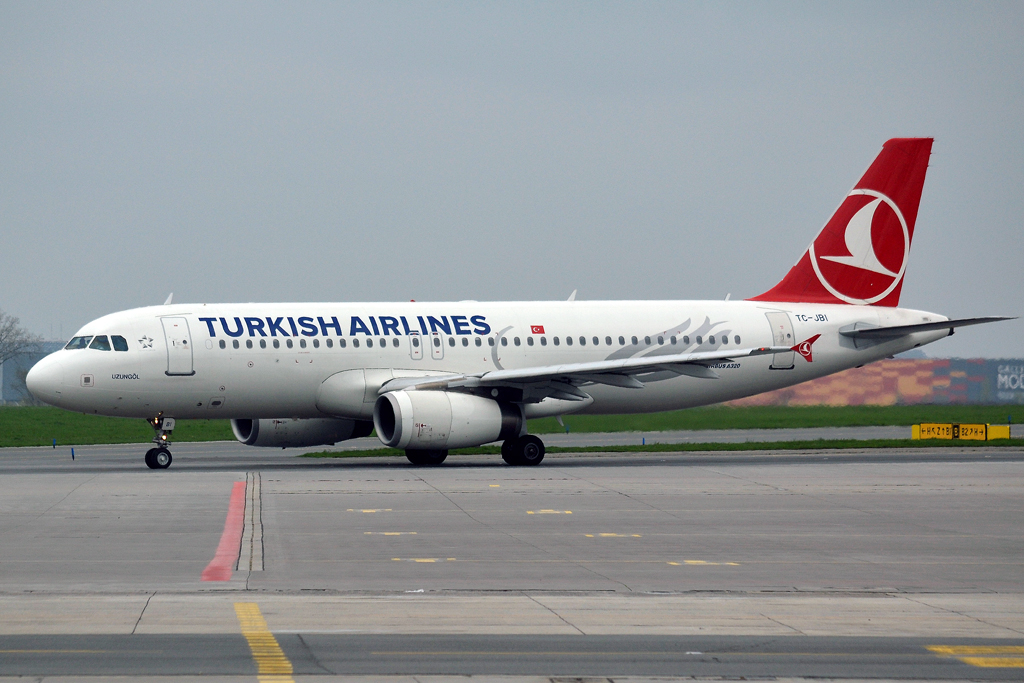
x=295, y=433
x=442, y=420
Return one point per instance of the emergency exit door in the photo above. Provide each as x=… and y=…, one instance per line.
x=782, y=335
x=179, y=346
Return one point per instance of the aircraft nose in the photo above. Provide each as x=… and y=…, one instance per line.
x=46, y=380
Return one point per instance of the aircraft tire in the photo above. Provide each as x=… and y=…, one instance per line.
x=426, y=457
x=151, y=459
x=529, y=450
x=162, y=458
x=508, y=451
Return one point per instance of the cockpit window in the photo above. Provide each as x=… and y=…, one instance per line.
x=78, y=343
x=100, y=343
x=119, y=342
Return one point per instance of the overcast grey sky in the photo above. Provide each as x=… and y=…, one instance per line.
x=393, y=151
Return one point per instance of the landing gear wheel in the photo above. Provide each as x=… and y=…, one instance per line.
x=421, y=457
x=161, y=458
x=151, y=459
x=508, y=451
x=530, y=450
x=525, y=450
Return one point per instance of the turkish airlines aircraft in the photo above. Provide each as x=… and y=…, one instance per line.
x=435, y=376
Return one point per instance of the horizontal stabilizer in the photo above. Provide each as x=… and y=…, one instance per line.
x=895, y=331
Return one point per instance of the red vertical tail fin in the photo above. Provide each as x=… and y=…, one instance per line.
x=861, y=254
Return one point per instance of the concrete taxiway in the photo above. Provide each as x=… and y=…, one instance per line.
x=827, y=564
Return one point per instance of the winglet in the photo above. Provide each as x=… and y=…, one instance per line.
x=169, y=297
x=572, y=297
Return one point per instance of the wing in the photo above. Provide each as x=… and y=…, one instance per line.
x=562, y=381
x=858, y=332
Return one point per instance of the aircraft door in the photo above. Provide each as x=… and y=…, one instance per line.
x=436, y=346
x=782, y=335
x=415, y=346
x=179, y=346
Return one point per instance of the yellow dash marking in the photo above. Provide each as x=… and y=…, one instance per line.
x=674, y=564
x=977, y=649
x=495, y=486
x=272, y=664
x=389, y=533
x=549, y=512
x=694, y=561
x=424, y=559
x=377, y=510
x=994, y=662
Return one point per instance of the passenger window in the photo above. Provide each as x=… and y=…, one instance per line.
x=223, y=345
x=302, y=343
x=672, y=339
x=465, y=341
x=342, y=343
x=288, y=343
x=263, y=343
x=736, y=339
x=78, y=343
x=686, y=339
x=369, y=343
x=725, y=339
x=316, y=343
x=119, y=343
x=711, y=339
x=248, y=343
x=330, y=343
x=608, y=341
x=394, y=342
x=529, y=341
x=622, y=340
x=437, y=342
x=516, y=340
x=478, y=342
x=234, y=343
x=555, y=340
x=698, y=339
x=100, y=343
x=568, y=341
x=451, y=341
x=647, y=340
x=596, y=341
x=661, y=340
x=415, y=342
x=583, y=341
x=277, y=343
x=490, y=341
x=355, y=343
x=543, y=341
x=504, y=341
x=635, y=342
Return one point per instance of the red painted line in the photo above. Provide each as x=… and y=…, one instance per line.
x=224, y=559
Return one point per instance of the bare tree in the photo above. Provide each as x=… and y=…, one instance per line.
x=15, y=339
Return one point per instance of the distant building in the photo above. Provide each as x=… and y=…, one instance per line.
x=12, y=374
x=903, y=381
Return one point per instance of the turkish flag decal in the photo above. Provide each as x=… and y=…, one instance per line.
x=536, y=329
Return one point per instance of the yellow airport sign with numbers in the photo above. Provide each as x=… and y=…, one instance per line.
x=960, y=432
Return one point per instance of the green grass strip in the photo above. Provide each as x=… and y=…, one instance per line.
x=816, y=444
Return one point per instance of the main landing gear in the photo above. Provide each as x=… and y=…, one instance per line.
x=159, y=458
x=522, y=450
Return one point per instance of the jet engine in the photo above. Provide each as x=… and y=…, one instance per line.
x=439, y=420
x=295, y=433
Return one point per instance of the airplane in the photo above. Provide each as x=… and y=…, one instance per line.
x=429, y=377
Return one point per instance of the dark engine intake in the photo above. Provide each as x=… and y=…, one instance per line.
x=295, y=433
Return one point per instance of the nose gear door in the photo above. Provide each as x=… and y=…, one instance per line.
x=179, y=346
x=782, y=335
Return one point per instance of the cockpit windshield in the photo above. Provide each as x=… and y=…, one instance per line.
x=100, y=343
x=78, y=343
x=119, y=342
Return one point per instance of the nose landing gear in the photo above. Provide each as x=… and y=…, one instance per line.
x=159, y=458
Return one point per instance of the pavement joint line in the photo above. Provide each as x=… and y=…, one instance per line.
x=272, y=664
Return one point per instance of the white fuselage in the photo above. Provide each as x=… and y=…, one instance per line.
x=270, y=360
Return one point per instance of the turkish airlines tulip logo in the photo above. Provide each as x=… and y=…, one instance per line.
x=861, y=254
x=804, y=348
